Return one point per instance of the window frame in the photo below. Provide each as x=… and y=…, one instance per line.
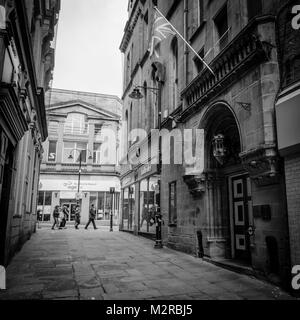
x=173, y=217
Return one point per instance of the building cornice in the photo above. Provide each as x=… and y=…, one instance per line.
x=130, y=25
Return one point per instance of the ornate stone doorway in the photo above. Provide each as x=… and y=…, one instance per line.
x=228, y=188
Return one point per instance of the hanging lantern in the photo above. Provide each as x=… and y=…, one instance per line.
x=219, y=149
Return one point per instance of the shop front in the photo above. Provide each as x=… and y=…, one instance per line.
x=62, y=191
x=140, y=200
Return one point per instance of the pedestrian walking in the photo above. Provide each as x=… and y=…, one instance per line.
x=92, y=217
x=77, y=216
x=55, y=217
x=65, y=217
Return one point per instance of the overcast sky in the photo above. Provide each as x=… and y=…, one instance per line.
x=87, y=49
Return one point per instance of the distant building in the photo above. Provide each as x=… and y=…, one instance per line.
x=27, y=34
x=78, y=124
x=230, y=206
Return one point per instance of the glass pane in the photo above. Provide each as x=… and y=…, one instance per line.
x=41, y=198
x=108, y=205
x=144, y=210
x=131, y=207
x=100, y=207
x=48, y=198
x=125, y=208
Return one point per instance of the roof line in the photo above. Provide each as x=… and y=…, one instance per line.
x=87, y=93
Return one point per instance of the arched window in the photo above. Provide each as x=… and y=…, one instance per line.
x=76, y=124
x=174, y=73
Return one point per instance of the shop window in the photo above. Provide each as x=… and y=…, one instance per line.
x=144, y=220
x=221, y=23
x=52, y=151
x=173, y=203
x=44, y=205
x=125, y=209
x=131, y=207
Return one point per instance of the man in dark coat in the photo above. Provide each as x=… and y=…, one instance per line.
x=92, y=217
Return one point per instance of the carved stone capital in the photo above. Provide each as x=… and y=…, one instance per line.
x=262, y=164
x=196, y=184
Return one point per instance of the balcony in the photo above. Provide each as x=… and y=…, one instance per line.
x=243, y=53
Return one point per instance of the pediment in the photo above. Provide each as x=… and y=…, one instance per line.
x=81, y=107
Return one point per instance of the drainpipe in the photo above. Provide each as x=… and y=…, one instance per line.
x=185, y=32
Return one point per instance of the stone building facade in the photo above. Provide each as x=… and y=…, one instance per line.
x=288, y=115
x=230, y=206
x=85, y=125
x=27, y=33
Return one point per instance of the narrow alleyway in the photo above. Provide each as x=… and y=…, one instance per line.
x=100, y=265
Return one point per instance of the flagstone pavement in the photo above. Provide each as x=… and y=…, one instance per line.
x=103, y=265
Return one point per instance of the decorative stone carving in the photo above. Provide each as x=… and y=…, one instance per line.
x=196, y=184
x=263, y=165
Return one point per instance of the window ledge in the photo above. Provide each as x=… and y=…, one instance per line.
x=197, y=31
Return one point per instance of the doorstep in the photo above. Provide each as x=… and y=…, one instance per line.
x=233, y=265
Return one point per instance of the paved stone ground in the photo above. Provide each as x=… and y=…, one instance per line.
x=100, y=265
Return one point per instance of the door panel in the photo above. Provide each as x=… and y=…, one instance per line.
x=242, y=205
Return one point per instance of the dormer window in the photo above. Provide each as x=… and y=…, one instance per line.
x=76, y=124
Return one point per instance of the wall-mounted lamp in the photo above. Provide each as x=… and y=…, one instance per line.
x=137, y=95
x=219, y=149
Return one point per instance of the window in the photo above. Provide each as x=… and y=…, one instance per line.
x=76, y=124
x=200, y=15
x=97, y=131
x=52, y=151
x=75, y=149
x=97, y=153
x=128, y=66
x=198, y=62
x=44, y=205
x=53, y=128
x=221, y=23
x=254, y=8
x=172, y=203
x=174, y=72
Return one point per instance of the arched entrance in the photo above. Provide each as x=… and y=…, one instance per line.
x=228, y=196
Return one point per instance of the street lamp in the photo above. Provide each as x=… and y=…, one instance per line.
x=137, y=95
x=80, y=164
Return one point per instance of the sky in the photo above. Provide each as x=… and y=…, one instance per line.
x=87, y=48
